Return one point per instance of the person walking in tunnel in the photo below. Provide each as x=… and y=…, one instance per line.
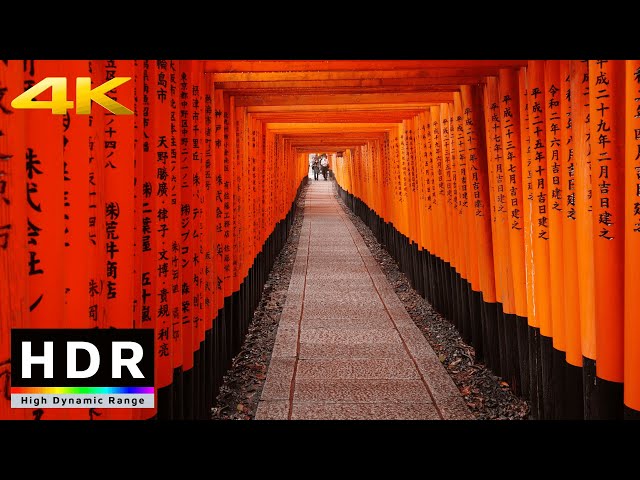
x=324, y=164
x=315, y=166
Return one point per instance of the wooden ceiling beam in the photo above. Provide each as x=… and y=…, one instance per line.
x=359, y=74
x=341, y=117
x=340, y=108
x=353, y=83
x=341, y=99
x=333, y=137
x=339, y=90
x=333, y=65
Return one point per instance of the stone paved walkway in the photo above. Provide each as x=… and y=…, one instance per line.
x=346, y=348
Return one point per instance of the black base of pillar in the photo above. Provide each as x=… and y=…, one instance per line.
x=236, y=341
x=465, y=311
x=178, y=394
x=208, y=373
x=535, y=374
x=492, y=347
x=546, y=363
x=164, y=397
x=603, y=399
x=522, y=340
x=631, y=414
x=574, y=402
x=513, y=376
x=558, y=375
x=187, y=395
x=502, y=365
x=475, y=308
x=198, y=386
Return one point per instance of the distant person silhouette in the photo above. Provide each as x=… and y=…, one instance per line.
x=324, y=164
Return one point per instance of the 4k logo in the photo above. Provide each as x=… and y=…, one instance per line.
x=84, y=96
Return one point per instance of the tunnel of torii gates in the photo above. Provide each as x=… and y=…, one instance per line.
x=508, y=192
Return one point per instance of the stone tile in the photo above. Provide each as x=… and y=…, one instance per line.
x=354, y=301
x=368, y=322
x=311, y=350
x=360, y=245
x=320, y=264
x=417, y=344
x=323, y=254
x=438, y=379
x=299, y=270
x=285, y=344
x=401, y=319
x=345, y=286
x=345, y=336
x=296, y=286
x=272, y=410
x=292, y=310
x=367, y=390
x=343, y=270
x=365, y=301
x=363, y=294
x=454, y=408
x=288, y=322
x=281, y=368
x=319, y=261
x=393, y=368
x=338, y=275
x=371, y=263
x=327, y=309
x=346, y=250
x=388, y=295
x=363, y=411
x=379, y=279
x=406, y=327
x=335, y=294
x=277, y=386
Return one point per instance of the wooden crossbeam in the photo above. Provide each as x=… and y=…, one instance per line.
x=333, y=65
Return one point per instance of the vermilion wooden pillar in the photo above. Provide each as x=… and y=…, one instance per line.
x=555, y=190
x=540, y=229
x=574, y=397
x=500, y=231
x=632, y=239
x=509, y=100
x=581, y=132
x=479, y=181
x=606, y=111
x=14, y=258
x=43, y=156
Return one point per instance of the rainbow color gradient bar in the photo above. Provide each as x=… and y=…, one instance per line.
x=82, y=390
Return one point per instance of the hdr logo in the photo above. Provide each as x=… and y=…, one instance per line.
x=71, y=368
x=84, y=96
